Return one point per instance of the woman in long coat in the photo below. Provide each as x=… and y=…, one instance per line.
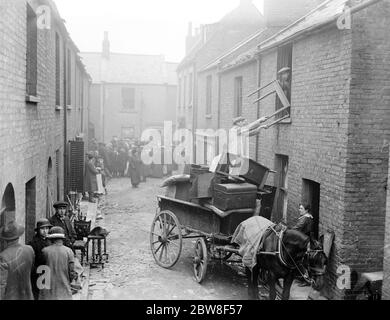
x=134, y=169
x=90, y=176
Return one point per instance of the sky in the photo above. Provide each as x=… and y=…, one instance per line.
x=140, y=26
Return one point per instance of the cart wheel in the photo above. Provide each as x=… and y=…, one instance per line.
x=166, y=239
x=200, y=260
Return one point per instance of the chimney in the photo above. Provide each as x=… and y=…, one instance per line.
x=281, y=13
x=106, y=46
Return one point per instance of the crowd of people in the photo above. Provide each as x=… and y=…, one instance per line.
x=45, y=269
x=119, y=158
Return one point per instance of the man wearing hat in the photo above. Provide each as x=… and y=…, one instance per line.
x=60, y=260
x=61, y=220
x=284, y=80
x=16, y=263
x=39, y=242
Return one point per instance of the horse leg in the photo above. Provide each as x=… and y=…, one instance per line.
x=272, y=287
x=252, y=284
x=287, y=283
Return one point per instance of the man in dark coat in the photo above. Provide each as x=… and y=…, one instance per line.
x=61, y=220
x=39, y=242
x=16, y=264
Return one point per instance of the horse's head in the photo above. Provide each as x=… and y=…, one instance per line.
x=295, y=243
x=316, y=262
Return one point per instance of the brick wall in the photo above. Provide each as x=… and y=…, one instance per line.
x=368, y=132
x=30, y=134
x=315, y=141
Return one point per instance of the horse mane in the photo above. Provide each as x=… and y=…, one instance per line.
x=296, y=238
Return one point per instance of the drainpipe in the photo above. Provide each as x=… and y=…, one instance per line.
x=65, y=122
x=194, y=111
x=219, y=109
x=103, y=110
x=258, y=103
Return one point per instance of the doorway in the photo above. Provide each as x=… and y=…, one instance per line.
x=30, y=209
x=279, y=213
x=7, y=210
x=311, y=196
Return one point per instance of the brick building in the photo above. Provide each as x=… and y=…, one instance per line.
x=329, y=152
x=43, y=105
x=207, y=44
x=129, y=92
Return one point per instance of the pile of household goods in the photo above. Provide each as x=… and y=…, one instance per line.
x=230, y=183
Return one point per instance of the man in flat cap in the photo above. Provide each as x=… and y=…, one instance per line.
x=285, y=81
x=61, y=220
x=39, y=242
x=16, y=264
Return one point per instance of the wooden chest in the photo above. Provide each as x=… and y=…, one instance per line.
x=234, y=196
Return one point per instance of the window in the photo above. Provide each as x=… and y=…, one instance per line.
x=127, y=132
x=209, y=92
x=190, y=89
x=69, y=80
x=128, y=98
x=284, y=61
x=58, y=70
x=179, y=94
x=238, y=96
x=185, y=92
x=31, y=55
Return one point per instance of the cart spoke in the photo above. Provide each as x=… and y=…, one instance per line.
x=161, y=252
x=158, y=248
x=170, y=231
x=156, y=234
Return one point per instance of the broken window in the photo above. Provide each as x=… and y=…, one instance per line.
x=238, y=96
x=31, y=54
x=128, y=98
x=284, y=76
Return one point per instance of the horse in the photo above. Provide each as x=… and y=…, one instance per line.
x=285, y=255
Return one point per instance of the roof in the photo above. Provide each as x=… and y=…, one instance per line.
x=240, y=53
x=130, y=68
x=325, y=13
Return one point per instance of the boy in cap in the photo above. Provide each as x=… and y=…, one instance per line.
x=16, y=263
x=60, y=260
x=39, y=242
x=61, y=220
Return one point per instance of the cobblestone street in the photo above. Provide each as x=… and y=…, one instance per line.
x=132, y=272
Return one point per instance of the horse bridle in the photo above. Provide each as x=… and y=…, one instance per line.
x=315, y=271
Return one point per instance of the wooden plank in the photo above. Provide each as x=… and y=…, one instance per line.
x=281, y=94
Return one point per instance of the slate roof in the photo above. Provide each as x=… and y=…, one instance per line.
x=327, y=12
x=130, y=68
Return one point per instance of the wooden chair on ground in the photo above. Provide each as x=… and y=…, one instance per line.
x=82, y=228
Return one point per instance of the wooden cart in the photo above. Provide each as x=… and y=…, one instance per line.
x=176, y=220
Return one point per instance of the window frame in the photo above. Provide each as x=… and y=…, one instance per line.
x=31, y=55
x=238, y=96
x=209, y=96
x=284, y=59
x=126, y=108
